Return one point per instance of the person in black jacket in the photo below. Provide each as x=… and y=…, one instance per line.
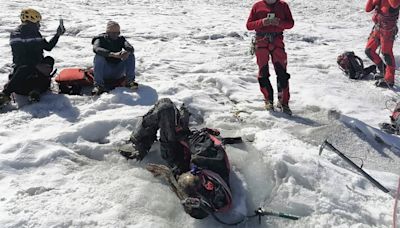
x=114, y=59
x=27, y=45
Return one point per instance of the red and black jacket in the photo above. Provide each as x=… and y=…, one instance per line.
x=260, y=11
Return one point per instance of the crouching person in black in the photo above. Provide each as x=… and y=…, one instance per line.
x=31, y=70
x=196, y=157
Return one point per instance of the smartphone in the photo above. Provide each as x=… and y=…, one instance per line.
x=62, y=25
x=270, y=16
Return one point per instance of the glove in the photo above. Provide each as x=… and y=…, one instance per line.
x=60, y=30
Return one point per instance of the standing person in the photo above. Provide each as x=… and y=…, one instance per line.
x=383, y=34
x=111, y=62
x=269, y=18
x=31, y=70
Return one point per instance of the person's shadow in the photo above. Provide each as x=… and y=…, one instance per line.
x=144, y=95
x=49, y=103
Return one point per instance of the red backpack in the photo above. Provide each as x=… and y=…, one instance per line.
x=72, y=80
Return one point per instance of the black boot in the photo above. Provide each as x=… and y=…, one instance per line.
x=34, y=96
x=381, y=67
x=4, y=99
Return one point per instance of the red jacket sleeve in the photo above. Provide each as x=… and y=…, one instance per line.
x=252, y=22
x=370, y=6
x=288, y=22
x=394, y=3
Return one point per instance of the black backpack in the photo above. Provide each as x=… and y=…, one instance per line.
x=351, y=65
x=208, y=152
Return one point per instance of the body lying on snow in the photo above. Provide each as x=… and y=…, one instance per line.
x=196, y=158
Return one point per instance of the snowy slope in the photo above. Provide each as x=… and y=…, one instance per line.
x=57, y=165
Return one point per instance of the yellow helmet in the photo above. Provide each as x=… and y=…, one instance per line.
x=30, y=15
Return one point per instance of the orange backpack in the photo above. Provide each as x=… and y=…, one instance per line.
x=72, y=80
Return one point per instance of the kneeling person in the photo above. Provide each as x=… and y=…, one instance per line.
x=113, y=61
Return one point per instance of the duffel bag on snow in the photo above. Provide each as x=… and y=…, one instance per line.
x=72, y=80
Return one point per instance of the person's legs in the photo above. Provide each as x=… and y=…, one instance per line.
x=279, y=59
x=162, y=116
x=130, y=68
x=22, y=81
x=266, y=89
x=99, y=66
x=370, y=50
x=387, y=40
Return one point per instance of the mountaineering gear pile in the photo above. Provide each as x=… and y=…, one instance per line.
x=353, y=65
x=383, y=34
x=269, y=42
x=30, y=15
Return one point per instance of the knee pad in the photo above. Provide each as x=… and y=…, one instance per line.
x=388, y=59
x=368, y=53
x=264, y=72
x=282, y=76
x=263, y=81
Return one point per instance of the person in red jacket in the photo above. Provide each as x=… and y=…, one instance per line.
x=269, y=18
x=386, y=13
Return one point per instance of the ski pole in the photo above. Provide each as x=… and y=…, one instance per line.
x=280, y=214
x=366, y=175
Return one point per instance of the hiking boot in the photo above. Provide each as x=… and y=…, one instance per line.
x=269, y=106
x=383, y=83
x=389, y=128
x=378, y=76
x=133, y=85
x=284, y=108
x=132, y=151
x=4, y=99
x=98, y=90
x=34, y=96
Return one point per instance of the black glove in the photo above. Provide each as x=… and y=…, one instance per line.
x=60, y=30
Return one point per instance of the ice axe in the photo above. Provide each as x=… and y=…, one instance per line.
x=359, y=169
